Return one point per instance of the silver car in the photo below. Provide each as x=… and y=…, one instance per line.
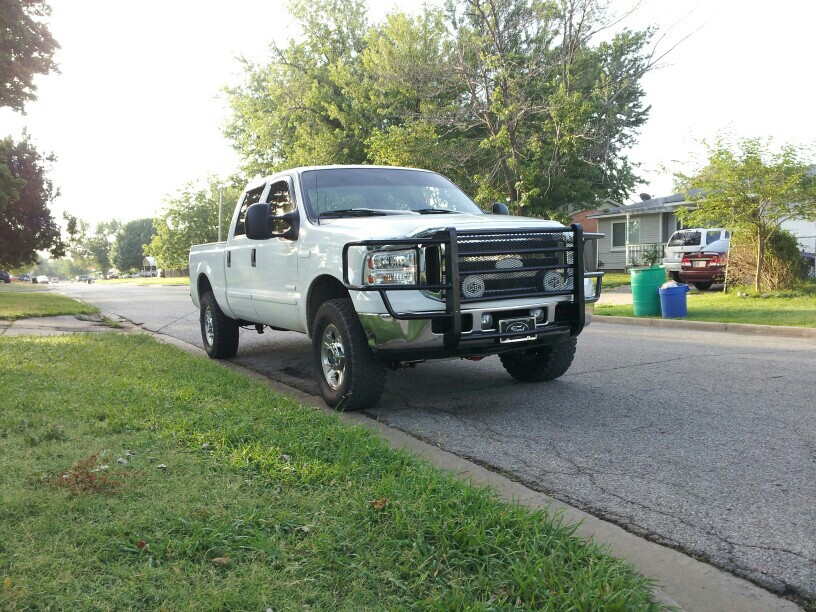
x=693, y=240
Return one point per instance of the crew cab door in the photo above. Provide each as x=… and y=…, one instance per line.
x=275, y=292
x=238, y=263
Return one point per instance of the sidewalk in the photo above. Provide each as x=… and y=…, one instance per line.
x=682, y=581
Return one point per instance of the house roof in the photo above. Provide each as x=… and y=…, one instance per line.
x=655, y=205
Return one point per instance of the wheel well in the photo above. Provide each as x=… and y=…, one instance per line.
x=323, y=288
x=203, y=285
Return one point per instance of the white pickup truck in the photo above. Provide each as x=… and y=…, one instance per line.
x=388, y=267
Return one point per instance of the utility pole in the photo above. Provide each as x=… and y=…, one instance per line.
x=220, y=208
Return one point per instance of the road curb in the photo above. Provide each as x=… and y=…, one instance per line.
x=778, y=331
x=682, y=581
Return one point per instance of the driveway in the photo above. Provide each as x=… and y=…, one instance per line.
x=704, y=441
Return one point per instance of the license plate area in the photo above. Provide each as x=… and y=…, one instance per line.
x=514, y=326
x=698, y=263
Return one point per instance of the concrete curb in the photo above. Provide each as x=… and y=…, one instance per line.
x=682, y=581
x=731, y=328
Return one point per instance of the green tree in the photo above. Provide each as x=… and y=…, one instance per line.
x=26, y=224
x=511, y=98
x=127, y=251
x=191, y=217
x=751, y=189
x=26, y=50
x=294, y=110
x=92, y=245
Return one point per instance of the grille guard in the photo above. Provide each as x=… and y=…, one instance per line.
x=449, y=237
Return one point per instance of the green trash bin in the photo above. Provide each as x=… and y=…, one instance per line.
x=645, y=285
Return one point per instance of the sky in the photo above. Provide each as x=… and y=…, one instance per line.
x=138, y=110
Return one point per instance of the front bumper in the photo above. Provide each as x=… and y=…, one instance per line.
x=457, y=330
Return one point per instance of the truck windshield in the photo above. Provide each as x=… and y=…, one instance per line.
x=338, y=192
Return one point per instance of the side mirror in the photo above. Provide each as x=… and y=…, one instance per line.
x=500, y=209
x=260, y=223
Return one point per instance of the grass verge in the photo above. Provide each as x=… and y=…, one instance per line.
x=21, y=287
x=616, y=279
x=39, y=303
x=263, y=503
x=795, y=309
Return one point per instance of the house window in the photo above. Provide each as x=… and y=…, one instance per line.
x=619, y=233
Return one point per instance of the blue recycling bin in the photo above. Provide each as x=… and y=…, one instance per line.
x=673, y=301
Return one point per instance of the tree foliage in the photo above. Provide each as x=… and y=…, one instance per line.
x=26, y=224
x=127, y=251
x=26, y=50
x=751, y=189
x=191, y=217
x=513, y=99
x=91, y=245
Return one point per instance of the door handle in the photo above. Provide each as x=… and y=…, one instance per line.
x=253, y=258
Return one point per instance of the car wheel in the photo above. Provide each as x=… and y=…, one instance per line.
x=348, y=375
x=540, y=364
x=703, y=286
x=218, y=331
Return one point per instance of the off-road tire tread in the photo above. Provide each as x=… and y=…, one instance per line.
x=549, y=363
x=225, y=330
x=365, y=375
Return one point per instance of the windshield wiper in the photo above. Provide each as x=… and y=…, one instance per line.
x=434, y=211
x=353, y=212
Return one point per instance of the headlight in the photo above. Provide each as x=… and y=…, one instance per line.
x=391, y=268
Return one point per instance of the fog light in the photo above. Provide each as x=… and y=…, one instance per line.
x=487, y=320
x=538, y=314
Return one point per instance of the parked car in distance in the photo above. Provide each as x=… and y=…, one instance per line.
x=84, y=278
x=703, y=269
x=42, y=279
x=114, y=275
x=693, y=240
x=5, y=276
x=54, y=280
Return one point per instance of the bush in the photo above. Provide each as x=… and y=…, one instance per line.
x=783, y=267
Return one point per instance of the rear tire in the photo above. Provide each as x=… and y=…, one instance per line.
x=348, y=375
x=218, y=331
x=540, y=364
x=705, y=286
x=676, y=277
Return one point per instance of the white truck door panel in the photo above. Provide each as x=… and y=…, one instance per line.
x=275, y=290
x=240, y=273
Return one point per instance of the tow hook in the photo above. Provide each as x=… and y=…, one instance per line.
x=259, y=328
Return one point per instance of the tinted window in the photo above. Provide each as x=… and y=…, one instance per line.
x=712, y=235
x=281, y=203
x=383, y=189
x=618, y=234
x=250, y=197
x=685, y=238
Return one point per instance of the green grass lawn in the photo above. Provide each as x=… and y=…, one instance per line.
x=184, y=280
x=615, y=279
x=797, y=311
x=36, y=301
x=21, y=287
x=262, y=503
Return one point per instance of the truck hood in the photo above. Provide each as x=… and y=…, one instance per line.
x=403, y=226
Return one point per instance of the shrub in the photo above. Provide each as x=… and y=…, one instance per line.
x=782, y=268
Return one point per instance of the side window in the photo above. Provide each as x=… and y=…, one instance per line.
x=712, y=235
x=250, y=197
x=727, y=234
x=619, y=234
x=281, y=202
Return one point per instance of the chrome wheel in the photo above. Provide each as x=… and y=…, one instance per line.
x=332, y=356
x=209, y=332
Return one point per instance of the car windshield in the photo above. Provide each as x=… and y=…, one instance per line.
x=361, y=192
x=685, y=238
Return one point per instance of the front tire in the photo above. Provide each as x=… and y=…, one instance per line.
x=218, y=331
x=540, y=364
x=703, y=286
x=348, y=375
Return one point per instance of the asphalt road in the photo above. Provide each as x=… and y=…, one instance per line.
x=704, y=441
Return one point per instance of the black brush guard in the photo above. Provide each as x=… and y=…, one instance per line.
x=449, y=238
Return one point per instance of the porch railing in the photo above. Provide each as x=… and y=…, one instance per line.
x=635, y=253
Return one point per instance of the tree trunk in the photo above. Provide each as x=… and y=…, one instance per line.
x=760, y=260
